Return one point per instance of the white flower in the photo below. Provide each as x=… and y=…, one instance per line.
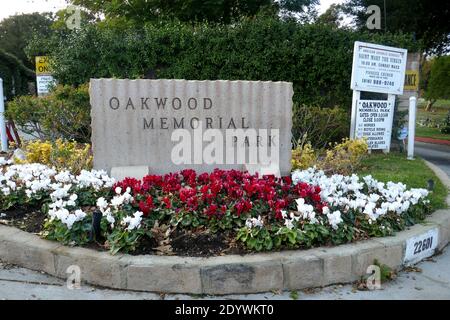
x=118, y=190
x=72, y=199
x=133, y=222
x=102, y=203
x=253, y=222
x=117, y=201
x=61, y=192
x=110, y=219
x=334, y=219
x=80, y=214
x=64, y=177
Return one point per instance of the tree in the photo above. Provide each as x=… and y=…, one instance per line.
x=15, y=32
x=224, y=11
x=438, y=84
x=427, y=20
x=64, y=19
x=332, y=16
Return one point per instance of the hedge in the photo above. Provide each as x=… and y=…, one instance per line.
x=316, y=58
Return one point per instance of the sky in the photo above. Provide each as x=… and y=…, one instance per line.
x=11, y=7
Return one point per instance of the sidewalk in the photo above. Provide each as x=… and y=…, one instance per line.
x=429, y=280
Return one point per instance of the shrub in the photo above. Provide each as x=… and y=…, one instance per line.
x=63, y=155
x=344, y=157
x=64, y=113
x=320, y=125
x=303, y=156
x=446, y=124
x=316, y=58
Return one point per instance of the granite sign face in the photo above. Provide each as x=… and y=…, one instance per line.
x=170, y=125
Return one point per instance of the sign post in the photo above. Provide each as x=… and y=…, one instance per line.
x=44, y=78
x=2, y=119
x=379, y=69
x=411, y=127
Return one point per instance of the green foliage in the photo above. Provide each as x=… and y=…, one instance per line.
x=428, y=20
x=65, y=15
x=332, y=16
x=446, y=124
x=77, y=235
x=225, y=11
x=316, y=58
x=64, y=113
x=320, y=126
x=395, y=167
x=14, y=74
x=386, y=272
x=16, y=30
x=439, y=82
x=120, y=239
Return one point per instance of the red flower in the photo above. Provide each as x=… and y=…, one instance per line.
x=167, y=202
x=243, y=206
x=146, y=206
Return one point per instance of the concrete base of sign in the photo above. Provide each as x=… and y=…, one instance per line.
x=138, y=172
x=271, y=169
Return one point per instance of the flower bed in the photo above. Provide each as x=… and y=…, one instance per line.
x=208, y=213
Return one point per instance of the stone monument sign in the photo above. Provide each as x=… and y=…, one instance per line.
x=169, y=125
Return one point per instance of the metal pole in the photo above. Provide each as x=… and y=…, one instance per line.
x=355, y=98
x=411, y=127
x=2, y=119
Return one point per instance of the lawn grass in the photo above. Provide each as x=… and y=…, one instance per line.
x=414, y=173
x=438, y=114
x=434, y=133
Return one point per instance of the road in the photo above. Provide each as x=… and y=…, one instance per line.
x=435, y=153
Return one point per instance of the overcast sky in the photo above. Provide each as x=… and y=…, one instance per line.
x=11, y=7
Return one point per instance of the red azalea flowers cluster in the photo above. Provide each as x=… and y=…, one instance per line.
x=214, y=193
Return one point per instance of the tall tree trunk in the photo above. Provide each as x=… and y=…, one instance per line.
x=430, y=105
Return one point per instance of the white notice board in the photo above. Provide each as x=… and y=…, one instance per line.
x=378, y=68
x=374, y=122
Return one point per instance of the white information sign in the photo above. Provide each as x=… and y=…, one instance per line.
x=43, y=84
x=374, y=122
x=378, y=68
x=421, y=246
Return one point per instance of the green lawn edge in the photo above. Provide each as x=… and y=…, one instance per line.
x=413, y=173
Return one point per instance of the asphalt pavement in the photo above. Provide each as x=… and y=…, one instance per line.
x=435, y=153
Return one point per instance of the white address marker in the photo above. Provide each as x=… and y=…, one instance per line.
x=421, y=246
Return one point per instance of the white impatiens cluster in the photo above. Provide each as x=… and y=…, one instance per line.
x=109, y=209
x=34, y=178
x=366, y=195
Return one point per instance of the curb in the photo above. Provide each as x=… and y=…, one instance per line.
x=232, y=274
x=432, y=140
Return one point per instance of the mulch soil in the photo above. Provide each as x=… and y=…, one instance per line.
x=180, y=242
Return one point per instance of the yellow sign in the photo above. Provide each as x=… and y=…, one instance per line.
x=411, y=80
x=42, y=66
